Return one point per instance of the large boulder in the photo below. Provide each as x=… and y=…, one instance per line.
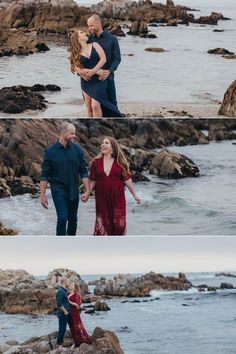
x=56, y=16
x=173, y=165
x=15, y=279
x=228, y=106
x=137, y=28
x=30, y=301
x=53, y=280
x=103, y=342
x=19, y=42
x=130, y=286
x=20, y=292
x=220, y=51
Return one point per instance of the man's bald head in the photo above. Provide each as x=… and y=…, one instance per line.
x=65, y=127
x=95, y=24
x=67, y=133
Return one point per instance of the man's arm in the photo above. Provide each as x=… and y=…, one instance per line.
x=115, y=55
x=115, y=48
x=83, y=171
x=44, y=180
x=59, y=299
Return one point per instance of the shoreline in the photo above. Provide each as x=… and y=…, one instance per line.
x=152, y=109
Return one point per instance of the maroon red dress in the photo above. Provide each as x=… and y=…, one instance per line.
x=78, y=332
x=110, y=198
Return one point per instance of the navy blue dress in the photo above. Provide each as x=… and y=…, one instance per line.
x=97, y=89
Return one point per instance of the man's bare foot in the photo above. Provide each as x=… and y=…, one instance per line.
x=60, y=348
x=72, y=346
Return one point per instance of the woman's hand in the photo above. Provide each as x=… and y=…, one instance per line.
x=137, y=199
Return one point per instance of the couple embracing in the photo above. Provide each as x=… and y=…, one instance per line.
x=94, y=59
x=62, y=166
x=68, y=300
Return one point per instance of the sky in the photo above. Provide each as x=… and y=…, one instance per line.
x=109, y=255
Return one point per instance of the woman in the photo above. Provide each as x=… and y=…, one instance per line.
x=78, y=332
x=86, y=60
x=109, y=173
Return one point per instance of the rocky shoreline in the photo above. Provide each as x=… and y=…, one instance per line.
x=22, y=293
x=103, y=342
x=23, y=141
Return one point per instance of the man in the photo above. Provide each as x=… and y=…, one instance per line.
x=110, y=45
x=63, y=164
x=63, y=311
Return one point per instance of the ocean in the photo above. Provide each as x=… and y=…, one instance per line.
x=202, y=205
x=178, y=322
x=185, y=73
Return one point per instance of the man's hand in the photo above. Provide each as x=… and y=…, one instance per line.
x=44, y=201
x=103, y=74
x=85, y=196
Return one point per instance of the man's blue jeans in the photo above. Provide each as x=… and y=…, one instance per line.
x=66, y=213
x=63, y=320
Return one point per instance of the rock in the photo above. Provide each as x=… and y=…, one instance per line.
x=20, y=292
x=5, y=190
x=4, y=231
x=218, y=132
x=230, y=56
x=226, y=286
x=225, y=275
x=54, y=278
x=220, y=51
x=19, y=42
x=212, y=288
x=103, y=342
x=138, y=28
x=173, y=165
x=30, y=301
x=152, y=36
x=13, y=279
x=218, y=30
x=147, y=11
x=156, y=50
x=130, y=286
x=170, y=3
x=228, y=106
x=101, y=306
x=17, y=99
x=44, y=16
x=209, y=20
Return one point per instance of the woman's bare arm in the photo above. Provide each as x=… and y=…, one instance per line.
x=91, y=185
x=130, y=186
x=102, y=60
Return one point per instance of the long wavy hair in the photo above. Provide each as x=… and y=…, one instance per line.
x=75, y=50
x=117, y=154
x=77, y=289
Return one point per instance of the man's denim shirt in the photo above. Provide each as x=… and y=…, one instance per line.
x=62, y=167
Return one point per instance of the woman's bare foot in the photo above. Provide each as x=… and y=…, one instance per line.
x=72, y=346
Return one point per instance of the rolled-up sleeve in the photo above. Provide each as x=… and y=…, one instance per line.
x=45, y=167
x=83, y=169
x=116, y=55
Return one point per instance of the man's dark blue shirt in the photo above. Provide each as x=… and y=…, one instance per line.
x=110, y=45
x=62, y=300
x=62, y=167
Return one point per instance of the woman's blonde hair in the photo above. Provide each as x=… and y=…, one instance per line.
x=117, y=153
x=75, y=50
